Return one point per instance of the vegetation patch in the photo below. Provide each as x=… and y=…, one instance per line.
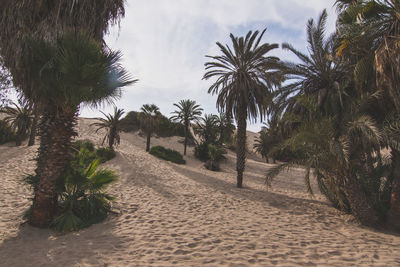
x=81, y=193
x=167, y=154
x=6, y=133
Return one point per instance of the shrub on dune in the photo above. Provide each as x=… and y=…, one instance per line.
x=167, y=154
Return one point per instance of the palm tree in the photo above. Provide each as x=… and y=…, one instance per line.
x=245, y=78
x=207, y=129
x=50, y=20
x=318, y=75
x=370, y=33
x=188, y=112
x=225, y=126
x=20, y=119
x=112, y=123
x=74, y=71
x=149, y=120
x=265, y=141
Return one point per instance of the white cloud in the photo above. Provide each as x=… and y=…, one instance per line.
x=164, y=43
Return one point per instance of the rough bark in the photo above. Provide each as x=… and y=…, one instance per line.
x=393, y=216
x=359, y=205
x=56, y=131
x=32, y=134
x=185, y=142
x=111, y=138
x=148, y=142
x=241, y=146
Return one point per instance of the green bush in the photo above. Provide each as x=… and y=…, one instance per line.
x=201, y=152
x=130, y=123
x=166, y=128
x=215, y=155
x=82, y=201
x=6, y=133
x=167, y=154
x=78, y=144
x=105, y=154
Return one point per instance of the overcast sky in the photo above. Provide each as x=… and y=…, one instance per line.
x=164, y=43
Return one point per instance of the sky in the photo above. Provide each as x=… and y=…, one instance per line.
x=164, y=43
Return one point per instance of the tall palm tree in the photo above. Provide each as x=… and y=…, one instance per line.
x=20, y=119
x=112, y=123
x=74, y=71
x=188, y=112
x=149, y=120
x=49, y=20
x=370, y=29
x=245, y=79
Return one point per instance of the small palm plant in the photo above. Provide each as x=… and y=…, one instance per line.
x=112, y=123
x=82, y=198
x=149, y=120
x=215, y=154
x=20, y=119
x=225, y=127
x=188, y=112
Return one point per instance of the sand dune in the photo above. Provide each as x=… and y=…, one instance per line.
x=185, y=215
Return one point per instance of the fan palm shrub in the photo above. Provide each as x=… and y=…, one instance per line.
x=112, y=125
x=245, y=77
x=149, y=120
x=83, y=200
x=215, y=155
x=187, y=113
x=20, y=119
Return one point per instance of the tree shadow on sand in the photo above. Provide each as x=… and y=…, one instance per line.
x=91, y=246
x=291, y=204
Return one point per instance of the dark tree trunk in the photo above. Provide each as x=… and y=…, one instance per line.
x=241, y=146
x=18, y=139
x=32, y=134
x=148, y=142
x=56, y=131
x=111, y=138
x=393, y=216
x=359, y=204
x=266, y=160
x=185, y=142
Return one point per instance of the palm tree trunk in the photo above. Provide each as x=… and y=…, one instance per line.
x=111, y=138
x=393, y=216
x=18, y=139
x=359, y=204
x=56, y=131
x=185, y=142
x=241, y=146
x=148, y=142
x=32, y=134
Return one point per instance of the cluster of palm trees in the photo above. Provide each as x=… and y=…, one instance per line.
x=335, y=111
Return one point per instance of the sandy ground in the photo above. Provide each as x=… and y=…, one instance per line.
x=185, y=215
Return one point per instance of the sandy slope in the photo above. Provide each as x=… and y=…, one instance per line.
x=188, y=216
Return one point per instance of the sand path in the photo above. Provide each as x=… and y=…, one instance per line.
x=185, y=215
